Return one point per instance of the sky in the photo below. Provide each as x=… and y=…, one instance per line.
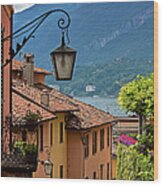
x=21, y=7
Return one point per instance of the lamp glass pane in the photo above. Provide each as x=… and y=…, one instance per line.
x=48, y=168
x=64, y=65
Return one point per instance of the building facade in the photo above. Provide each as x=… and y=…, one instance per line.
x=93, y=159
x=53, y=145
x=78, y=141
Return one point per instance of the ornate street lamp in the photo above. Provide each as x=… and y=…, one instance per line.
x=63, y=58
x=48, y=167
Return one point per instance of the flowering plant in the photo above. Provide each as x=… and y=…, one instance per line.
x=127, y=140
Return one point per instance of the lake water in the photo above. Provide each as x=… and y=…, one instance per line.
x=109, y=104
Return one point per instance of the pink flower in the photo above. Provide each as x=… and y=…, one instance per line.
x=127, y=140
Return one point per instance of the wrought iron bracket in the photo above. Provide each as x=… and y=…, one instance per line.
x=33, y=26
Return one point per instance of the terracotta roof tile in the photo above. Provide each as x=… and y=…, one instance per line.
x=21, y=105
x=84, y=115
x=18, y=66
x=88, y=116
x=56, y=103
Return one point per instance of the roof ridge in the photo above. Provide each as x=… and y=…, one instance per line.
x=36, y=67
x=31, y=100
x=92, y=106
x=75, y=100
x=67, y=96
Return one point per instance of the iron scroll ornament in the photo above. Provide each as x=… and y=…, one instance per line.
x=33, y=26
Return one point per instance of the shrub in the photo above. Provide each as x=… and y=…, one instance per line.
x=24, y=149
x=133, y=165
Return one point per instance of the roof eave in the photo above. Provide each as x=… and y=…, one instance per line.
x=44, y=73
x=91, y=127
x=65, y=111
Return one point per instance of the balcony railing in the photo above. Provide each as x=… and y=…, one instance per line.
x=23, y=156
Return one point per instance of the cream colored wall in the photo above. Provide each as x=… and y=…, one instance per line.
x=42, y=155
x=93, y=162
x=57, y=151
x=114, y=168
x=78, y=167
x=75, y=155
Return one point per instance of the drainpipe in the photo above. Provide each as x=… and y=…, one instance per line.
x=11, y=29
x=2, y=86
x=82, y=137
x=111, y=152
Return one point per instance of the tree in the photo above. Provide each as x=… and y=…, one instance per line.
x=137, y=96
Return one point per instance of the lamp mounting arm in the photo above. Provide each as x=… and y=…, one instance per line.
x=33, y=26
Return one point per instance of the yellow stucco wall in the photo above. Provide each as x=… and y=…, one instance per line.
x=57, y=151
x=114, y=168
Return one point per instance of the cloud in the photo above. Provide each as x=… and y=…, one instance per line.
x=21, y=7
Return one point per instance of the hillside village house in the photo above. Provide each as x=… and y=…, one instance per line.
x=88, y=138
x=89, y=143
x=77, y=141
x=22, y=71
x=50, y=143
x=51, y=134
x=22, y=131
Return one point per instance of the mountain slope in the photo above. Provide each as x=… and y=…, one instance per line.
x=114, y=42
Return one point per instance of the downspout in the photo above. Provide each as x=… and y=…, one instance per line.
x=37, y=135
x=2, y=86
x=82, y=137
x=111, y=152
x=11, y=29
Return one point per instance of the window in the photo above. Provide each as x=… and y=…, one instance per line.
x=108, y=168
x=61, y=132
x=86, y=149
x=94, y=142
x=51, y=134
x=41, y=138
x=94, y=175
x=28, y=59
x=61, y=171
x=101, y=139
x=101, y=171
x=24, y=135
x=108, y=135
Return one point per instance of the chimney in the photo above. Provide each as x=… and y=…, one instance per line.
x=28, y=69
x=45, y=97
